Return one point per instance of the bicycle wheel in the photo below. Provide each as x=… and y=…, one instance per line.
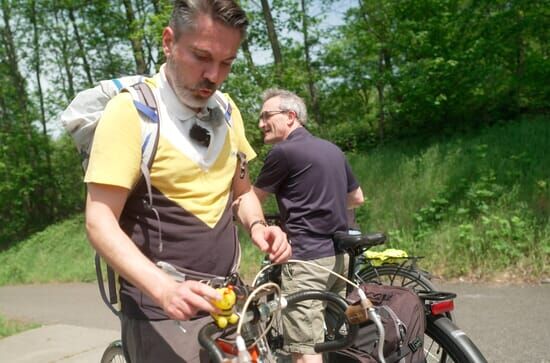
x=114, y=353
x=395, y=275
x=444, y=342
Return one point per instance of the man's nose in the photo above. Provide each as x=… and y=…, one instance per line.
x=212, y=73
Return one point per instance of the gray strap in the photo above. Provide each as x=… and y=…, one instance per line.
x=146, y=96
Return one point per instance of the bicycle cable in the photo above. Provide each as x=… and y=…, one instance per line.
x=241, y=345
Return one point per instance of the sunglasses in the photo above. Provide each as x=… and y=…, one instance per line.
x=200, y=135
x=264, y=116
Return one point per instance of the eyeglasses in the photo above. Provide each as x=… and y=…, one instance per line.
x=200, y=135
x=264, y=116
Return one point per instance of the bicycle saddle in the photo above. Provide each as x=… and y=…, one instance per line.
x=345, y=241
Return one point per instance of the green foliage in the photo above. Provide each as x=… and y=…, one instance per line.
x=388, y=71
x=60, y=253
x=12, y=327
x=474, y=204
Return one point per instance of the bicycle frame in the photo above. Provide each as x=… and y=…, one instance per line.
x=256, y=313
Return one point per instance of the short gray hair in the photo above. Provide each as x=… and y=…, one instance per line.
x=290, y=101
x=227, y=12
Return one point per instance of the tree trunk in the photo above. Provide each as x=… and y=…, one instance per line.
x=68, y=89
x=37, y=69
x=81, y=49
x=11, y=53
x=273, y=39
x=49, y=195
x=21, y=121
x=250, y=63
x=136, y=41
x=310, y=76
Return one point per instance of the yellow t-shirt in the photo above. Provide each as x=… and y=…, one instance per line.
x=116, y=156
x=191, y=187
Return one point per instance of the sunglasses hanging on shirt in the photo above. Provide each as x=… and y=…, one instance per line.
x=200, y=135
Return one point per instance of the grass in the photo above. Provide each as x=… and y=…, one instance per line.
x=11, y=327
x=59, y=253
x=475, y=205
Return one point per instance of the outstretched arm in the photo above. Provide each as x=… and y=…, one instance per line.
x=247, y=206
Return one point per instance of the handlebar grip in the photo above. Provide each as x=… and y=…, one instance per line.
x=337, y=302
x=206, y=340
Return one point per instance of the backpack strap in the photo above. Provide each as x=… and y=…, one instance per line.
x=225, y=106
x=146, y=104
x=147, y=107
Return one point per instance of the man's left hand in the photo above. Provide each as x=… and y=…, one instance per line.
x=273, y=241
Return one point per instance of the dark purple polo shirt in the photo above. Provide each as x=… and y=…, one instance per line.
x=310, y=178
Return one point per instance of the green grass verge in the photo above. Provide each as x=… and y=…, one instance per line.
x=475, y=205
x=59, y=253
x=11, y=327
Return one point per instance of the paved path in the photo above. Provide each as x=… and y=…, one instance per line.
x=77, y=327
x=510, y=324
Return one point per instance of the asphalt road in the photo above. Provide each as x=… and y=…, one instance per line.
x=510, y=324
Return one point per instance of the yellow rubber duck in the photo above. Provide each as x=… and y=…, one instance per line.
x=226, y=305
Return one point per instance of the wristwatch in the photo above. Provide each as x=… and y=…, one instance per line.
x=257, y=221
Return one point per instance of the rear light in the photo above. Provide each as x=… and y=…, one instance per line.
x=441, y=307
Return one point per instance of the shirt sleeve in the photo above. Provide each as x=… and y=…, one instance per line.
x=352, y=182
x=238, y=127
x=274, y=171
x=116, y=150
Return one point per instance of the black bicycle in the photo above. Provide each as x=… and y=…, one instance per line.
x=444, y=342
x=260, y=328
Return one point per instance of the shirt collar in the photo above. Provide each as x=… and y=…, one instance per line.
x=300, y=131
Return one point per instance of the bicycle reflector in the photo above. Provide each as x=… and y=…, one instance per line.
x=231, y=349
x=441, y=307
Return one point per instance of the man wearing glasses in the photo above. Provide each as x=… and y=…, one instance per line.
x=314, y=188
x=198, y=185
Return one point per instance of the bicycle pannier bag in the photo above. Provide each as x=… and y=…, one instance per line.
x=404, y=321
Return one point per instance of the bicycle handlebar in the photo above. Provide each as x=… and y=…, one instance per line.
x=260, y=312
x=207, y=341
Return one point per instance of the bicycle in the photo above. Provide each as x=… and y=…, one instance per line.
x=444, y=341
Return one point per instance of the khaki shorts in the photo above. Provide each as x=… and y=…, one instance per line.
x=303, y=323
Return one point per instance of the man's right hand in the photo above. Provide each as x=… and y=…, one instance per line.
x=183, y=300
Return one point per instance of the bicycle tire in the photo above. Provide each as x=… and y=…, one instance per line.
x=397, y=276
x=114, y=353
x=446, y=343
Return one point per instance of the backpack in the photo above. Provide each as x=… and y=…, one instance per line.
x=403, y=318
x=81, y=117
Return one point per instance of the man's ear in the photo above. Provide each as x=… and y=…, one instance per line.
x=168, y=39
x=292, y=117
